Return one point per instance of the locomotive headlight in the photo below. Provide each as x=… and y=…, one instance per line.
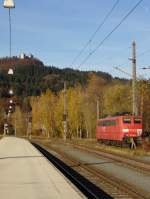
x=125, y=130
x=139, y=132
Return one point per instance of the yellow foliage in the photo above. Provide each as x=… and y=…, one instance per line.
x=19, y=121
x=117, y=98
x=43, y=108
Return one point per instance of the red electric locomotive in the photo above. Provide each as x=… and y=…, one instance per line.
x=119, y=129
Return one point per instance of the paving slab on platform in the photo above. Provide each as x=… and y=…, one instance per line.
x=26, y=174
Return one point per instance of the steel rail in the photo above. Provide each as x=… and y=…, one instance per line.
x=84, y=185
x=112, y=185
x=142, y=166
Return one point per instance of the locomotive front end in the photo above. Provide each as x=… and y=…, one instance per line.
x=132, y=128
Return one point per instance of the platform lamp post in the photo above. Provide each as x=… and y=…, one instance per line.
x=9, y=4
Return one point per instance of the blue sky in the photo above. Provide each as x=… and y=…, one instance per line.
x=56, y=30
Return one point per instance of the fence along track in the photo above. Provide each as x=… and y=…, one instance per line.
x=116, y=188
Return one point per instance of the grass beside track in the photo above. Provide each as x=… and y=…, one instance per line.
x=92, y=143
x=140, y=151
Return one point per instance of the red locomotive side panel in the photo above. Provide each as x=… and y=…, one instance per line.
x=119, y=127
x=109, y=129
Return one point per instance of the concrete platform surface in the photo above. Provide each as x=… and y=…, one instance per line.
x=26, y=174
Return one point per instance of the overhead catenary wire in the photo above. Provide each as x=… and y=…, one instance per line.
x=94, y=34
x=138, y=56
x=123, y=50
x=110, y=33
x=143, y=53
x=122, y=70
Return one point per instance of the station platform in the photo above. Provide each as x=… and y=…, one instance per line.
x=26, y=174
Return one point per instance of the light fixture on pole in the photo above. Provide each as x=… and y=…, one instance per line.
x=11, y=101
x=10, y=71
x=9, y=4
x=11, y=92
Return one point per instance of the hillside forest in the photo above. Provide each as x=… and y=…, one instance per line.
x=38, y=91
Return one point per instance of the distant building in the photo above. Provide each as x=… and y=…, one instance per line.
x=23, y=59
x=22, y=56
x=31, y=56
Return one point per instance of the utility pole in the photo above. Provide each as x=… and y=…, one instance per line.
x=65, y=112
x=133, y=75
x=134, y=93
x=97, y=109
x=9, y=4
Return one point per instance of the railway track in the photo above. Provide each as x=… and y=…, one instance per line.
x=85, y=186
x=111, y=185
x=140, y=165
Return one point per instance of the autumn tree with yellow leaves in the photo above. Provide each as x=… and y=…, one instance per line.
x=43, y=114
x=117, y=98
x=75, y=103
x=19, y=121
x=143, y=92
x=47, y=109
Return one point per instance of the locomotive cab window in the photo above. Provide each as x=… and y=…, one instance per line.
x=127, y=120
x=107, y=123
x=137, y=121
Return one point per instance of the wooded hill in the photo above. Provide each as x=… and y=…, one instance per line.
x=40, y=88
x=33, y=79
